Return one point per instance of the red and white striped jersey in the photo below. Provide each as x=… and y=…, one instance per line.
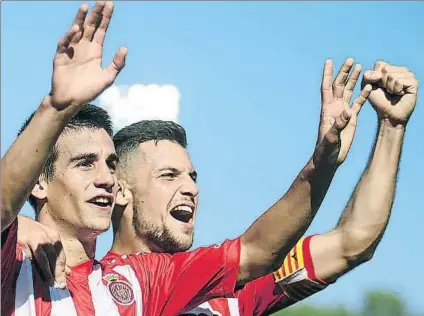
x=136, y=285
x=294, y=281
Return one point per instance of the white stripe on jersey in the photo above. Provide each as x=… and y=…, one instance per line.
x=233, y=306
x=102, y=301
x=24, y=299
x=62, y=303
x=61, y=300
x=129, y=274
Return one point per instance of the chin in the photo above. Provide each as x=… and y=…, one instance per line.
x=183, y=243
x=100, y=226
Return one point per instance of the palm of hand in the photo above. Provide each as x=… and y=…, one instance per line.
x=338, y=119
x=78, y=76
x=329, y=113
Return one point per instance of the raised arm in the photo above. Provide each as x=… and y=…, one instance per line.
x=266, y=243
x=367, y=213
x=77, y=79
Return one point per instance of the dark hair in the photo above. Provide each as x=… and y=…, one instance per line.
x=127, y=142
x=89, y=116
x=128, y=138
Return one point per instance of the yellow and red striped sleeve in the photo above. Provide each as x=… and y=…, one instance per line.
x=296, y=277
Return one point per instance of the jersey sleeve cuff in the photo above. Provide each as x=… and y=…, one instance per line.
x=228, y=288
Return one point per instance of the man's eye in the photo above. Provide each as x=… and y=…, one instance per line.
x=168, y=175
x=85, y=164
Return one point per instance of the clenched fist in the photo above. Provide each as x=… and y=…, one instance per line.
x=394, y=93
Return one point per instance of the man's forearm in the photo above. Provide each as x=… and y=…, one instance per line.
x=23, y=162
x=273, y=234
x=368, y=210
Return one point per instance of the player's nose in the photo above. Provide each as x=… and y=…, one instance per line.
x=105, y=178
x=189, y=187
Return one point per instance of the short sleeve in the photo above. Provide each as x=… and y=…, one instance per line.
x=8, y=261
x=185, y=280
x=293, y=282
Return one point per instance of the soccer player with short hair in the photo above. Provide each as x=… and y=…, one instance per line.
x=76, y=195
x=65, y=159
x=157, y=178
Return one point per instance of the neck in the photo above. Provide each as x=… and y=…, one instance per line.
x=123, y=245
x=79, y=246
x=125, y=239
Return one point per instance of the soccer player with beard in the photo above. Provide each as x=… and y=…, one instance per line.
x=65, y=160
x=164, y=284
x=156, y=209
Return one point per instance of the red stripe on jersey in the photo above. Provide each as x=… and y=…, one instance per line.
x=307, y=258
x=220, y=305
x=283, y=271
x=11, y=262
x=289, y=263
x=77, y=284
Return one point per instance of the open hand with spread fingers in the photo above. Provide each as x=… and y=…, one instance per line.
x=78, y=76
x=394, y=93
x=338, y=119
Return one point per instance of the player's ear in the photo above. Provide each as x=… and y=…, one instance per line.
x=40, y=190
x=124, y=195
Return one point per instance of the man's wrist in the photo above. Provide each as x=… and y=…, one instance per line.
x=312, y=170
x=386, y=129
x=63, y=113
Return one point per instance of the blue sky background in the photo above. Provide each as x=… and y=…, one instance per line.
x=249, y=74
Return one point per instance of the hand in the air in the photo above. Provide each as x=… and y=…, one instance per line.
x=338, y=119
x=43, y=246
x=394, y=93
x=78, y=76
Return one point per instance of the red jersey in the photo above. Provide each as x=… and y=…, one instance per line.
x=293, y=282
x=136, y=285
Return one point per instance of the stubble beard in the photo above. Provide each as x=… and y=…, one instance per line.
x=161, y=237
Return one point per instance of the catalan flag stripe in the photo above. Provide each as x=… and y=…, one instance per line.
x=293, y=262
x=299, y=253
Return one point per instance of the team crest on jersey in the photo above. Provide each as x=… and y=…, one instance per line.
x=120, y=290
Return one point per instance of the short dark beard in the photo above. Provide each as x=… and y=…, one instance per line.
x=161, y=239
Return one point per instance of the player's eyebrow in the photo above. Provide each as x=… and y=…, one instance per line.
x=94, y=157
x=87, y=156
x=169, y=168
x=193, y=174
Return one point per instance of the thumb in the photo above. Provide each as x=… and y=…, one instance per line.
x=341, y=122
x=333, y=135
x=68, y=271
x=117, y=64
x=327, y=150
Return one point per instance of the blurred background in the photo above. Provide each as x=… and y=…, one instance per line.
x=243, y=78
x=375, y=303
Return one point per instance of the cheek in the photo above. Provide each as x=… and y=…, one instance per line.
x=70, y=188
x=158, y=198
x=164, y=192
